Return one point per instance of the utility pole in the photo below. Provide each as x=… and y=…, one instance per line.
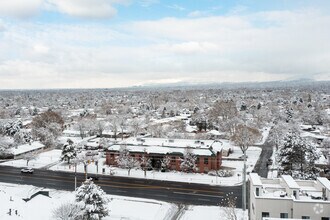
x=245, y=147
x=75, y=176
x=244, y=183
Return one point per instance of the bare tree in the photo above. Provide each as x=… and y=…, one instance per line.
x=245, y=136
x=100, y=127
x=66, y=211
x=125, y=160
x=114, y=125
x=30, y=156
x=229, y=207
x=136, y=126
x=122, y=125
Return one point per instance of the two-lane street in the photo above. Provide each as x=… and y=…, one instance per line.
x=175, y=192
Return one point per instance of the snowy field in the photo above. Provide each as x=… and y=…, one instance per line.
x=41, y=207
x=44, y=159
x=209, y=212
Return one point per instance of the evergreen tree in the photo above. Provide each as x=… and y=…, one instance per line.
x=92, y=201
x=297, y=156
x=68, y=151
x=188, y=163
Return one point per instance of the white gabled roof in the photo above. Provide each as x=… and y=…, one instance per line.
x=325, y=182
x=290, y=182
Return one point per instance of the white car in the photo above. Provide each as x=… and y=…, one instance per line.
x=27, y=170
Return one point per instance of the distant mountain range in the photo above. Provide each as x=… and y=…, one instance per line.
x=229, y=85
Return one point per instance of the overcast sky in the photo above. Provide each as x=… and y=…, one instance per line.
x=118, y=43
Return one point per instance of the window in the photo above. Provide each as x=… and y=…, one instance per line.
x=206, y=160
x=264, y=214
x=197, y=160
x=295, y=193
x=284, y=215
x=173, y=159
x=257, y=191
x=325, y=218
x=305, y=217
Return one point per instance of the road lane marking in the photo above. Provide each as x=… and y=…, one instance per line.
x=196, y=194
x=203, y=199
x=120, y=184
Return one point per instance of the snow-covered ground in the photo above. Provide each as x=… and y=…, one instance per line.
x=43, y=159
x=12, y=195
x=237, y=166
x=209, y=212
x=52, y=159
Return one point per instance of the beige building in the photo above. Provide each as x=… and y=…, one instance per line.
x=288, y=198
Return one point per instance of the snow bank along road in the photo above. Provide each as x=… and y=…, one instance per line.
x=175, y=192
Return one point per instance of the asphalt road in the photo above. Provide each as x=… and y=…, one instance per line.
x=174, y=192
x=261, y=166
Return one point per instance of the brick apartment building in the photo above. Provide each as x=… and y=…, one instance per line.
x=208, y=153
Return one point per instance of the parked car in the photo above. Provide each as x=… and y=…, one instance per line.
x=242, y=157
x=94, y=178
x=27, y=170
x=269, y=161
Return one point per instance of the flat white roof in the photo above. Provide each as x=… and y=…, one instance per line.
x=290, y=182
x=176, y=143
x=161, y=149
x=255, y=179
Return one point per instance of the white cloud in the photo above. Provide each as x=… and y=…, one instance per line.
x=20, y=8
x=86, y=8
x=257, y=47
x=176, y=7
x=197, y=13
x=148, y=3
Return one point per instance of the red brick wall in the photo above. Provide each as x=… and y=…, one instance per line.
x=214, y=163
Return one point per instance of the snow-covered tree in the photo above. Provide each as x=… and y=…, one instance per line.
x=12, y=127
x=92, y=201
x=297, y=156
x=188, y=162
x=66, y=211
x=277, y=133
x=166, y=163
x=104, y=142
x=125, y=160
x=68, y=151
x=288, y=114
x=22, y=137
x=145, y=164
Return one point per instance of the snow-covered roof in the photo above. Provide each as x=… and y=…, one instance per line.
x=175, y=143
x=255, y=179
x=71, y=132
x=214, y=132
x=325, y=182
x=290, y=182
x=161, y=150
x=27, y=147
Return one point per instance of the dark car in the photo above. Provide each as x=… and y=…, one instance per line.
x=94, y=178
x=269, y=161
